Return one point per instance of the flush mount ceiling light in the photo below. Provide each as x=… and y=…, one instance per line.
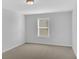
x=30, y=2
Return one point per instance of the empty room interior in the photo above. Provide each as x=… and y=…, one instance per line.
x=39, y=29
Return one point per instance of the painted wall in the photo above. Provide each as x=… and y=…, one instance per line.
x=13, y=28
x=74, y=31
x=74, y=27
x=60, y=28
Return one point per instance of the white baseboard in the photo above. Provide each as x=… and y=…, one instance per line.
x=49, y=44
x=12, y=47
x=36, y=43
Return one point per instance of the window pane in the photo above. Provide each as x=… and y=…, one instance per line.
x=43, y=23
x=43, y=32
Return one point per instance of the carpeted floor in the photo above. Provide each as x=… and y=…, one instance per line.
x=37, y=51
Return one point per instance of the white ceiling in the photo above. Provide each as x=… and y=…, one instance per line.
x=40, y=6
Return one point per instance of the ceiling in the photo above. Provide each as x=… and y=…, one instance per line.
x=40, y=6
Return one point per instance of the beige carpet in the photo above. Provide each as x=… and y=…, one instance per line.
x=37, y=51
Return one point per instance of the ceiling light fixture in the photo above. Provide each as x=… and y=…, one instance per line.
x=30, y=2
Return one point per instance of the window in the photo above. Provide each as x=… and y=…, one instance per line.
x=43, y=30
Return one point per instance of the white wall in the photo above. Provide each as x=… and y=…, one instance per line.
x=60, y=28
x=13, y=28
x=74, y=31
x=74, y=27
